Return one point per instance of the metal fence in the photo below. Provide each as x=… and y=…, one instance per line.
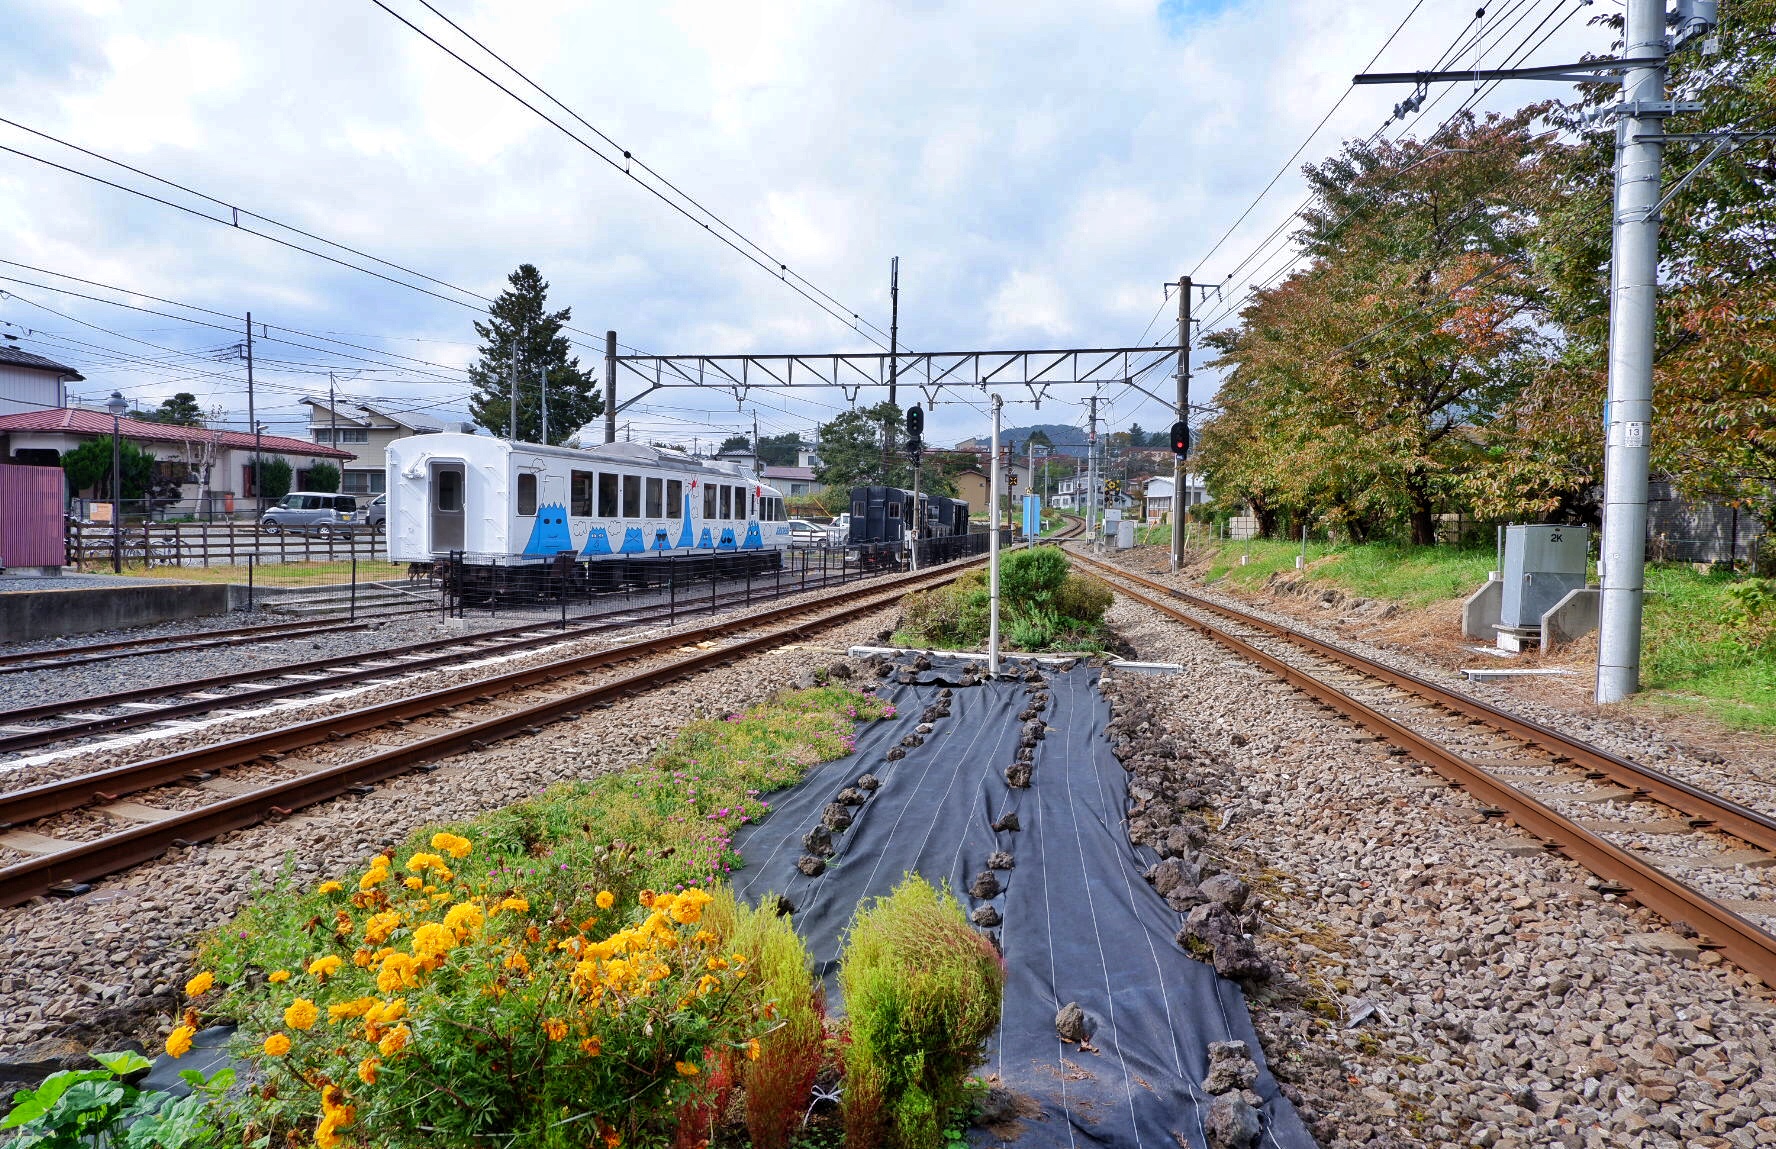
x=144, y=545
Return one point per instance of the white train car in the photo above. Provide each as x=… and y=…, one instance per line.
x=494, y=501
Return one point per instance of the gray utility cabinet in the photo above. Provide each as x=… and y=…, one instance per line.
x=1543, y=563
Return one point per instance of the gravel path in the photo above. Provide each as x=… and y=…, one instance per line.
x=1444, y=980
x=108, y=965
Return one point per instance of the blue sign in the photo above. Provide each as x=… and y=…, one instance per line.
x=1032, y=516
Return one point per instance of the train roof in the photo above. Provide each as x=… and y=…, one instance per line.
x=454, y=443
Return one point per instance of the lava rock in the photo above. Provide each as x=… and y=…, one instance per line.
x=930, y=713
x=1026, y=753
x=1173, y=872
x=986, y=917
x=1008, y=823
x=1026, y=714
x=836, y=817
x=818, y=842
x=1185, y=898
x=913, y=740
x=1000, y=860
x=868, y=782
x=852, y=796
x=895, y=753
x=1226, y=890
x=1035, y=728
x=1018, y=774
x=810, y=865
x=1072, y=1023
x=1231, y=1124
x=922, y=662
x=839, y=670
x=985, y=886
x=884, y=669
x=905, y=676
x=923, y=728
x=1231, y=1067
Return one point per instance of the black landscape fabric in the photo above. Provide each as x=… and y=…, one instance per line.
x=1079, y=922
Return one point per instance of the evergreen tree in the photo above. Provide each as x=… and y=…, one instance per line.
x=734, y=443
x=779, y=450
x=181, y=410
x=519, y=328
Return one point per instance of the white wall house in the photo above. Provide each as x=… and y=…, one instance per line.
x=1076, y=494
x=363, y=432
x=32, y=383
x=1158, y=494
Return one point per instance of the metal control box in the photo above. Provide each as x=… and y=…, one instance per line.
x=1543, y=563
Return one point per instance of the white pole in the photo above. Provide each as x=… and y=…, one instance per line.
x=1634, y=265
x=993, y=551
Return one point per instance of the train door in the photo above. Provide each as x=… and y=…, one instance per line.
x=448, y=513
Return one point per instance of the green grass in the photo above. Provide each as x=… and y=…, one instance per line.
x=274, y=574
x=1691, y=657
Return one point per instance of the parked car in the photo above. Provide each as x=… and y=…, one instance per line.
x=806, y=534
x=311, y=513
x=839, y=530
x=376, y=514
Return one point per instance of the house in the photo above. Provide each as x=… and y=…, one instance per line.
x=974, y=483
x=363, y=432
x=32, y=383
x=794, y=482
x=1075, y=494
x=212, y=468
x=1157, y=496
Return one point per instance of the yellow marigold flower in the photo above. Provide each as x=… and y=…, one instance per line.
x=277, y=1045
x=420, y=863
x=555, y=1029
x=605, y=899
x=451, y=844
x=386, y=1013
x=716, y=963
x=687, y=909
x=514, y=905
x=433, y=940
x=367, y=1070
x=200, y=985
x=686, y=1069
x=395, y=1041
x=439, y=897
x=329, y=888
x=752, y=1050
x=373, y=878
x=708, y=982
x=327, y=1134
x=278, y=976
x=358, y=1007
x=592, y=1046
x=380, y=926
x=397, y=972
x=301, y=1014
x=179, y=1041
x=518, y=962
x=412, y=883
x=363, y=957
x=464, y=918
x=703, y=937
x=325, y=967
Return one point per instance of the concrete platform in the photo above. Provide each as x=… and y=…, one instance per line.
x=85, y=604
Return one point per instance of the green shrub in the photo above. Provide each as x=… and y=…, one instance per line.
x=100, y=1107
x=922, y=992
x=1083, y=599
x=1031, y=577
x=953, y=616
x=322, y=477
x=1034, y=628
x=1752, y=614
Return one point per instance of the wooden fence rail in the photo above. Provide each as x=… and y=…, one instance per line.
x=209, y=544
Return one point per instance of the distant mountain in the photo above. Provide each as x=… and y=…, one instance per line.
x=1067, y=439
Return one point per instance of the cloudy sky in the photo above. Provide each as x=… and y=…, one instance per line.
x=1040, y=168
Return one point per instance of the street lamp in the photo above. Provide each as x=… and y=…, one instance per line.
x=117, y=405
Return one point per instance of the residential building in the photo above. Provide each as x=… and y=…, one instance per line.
x=1157, y=496
x=974, y=484
x=213, y=469
x=32, y=383
x=1075, y=494
x=363, y=431
x=794, y=482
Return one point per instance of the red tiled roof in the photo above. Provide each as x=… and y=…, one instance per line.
x=84, y=421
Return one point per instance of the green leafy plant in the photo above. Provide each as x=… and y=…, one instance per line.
x=922, y=993
x=322, y=477
x=1751, y=611
x=99, y=1107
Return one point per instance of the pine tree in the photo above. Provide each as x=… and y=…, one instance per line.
x=517, y=322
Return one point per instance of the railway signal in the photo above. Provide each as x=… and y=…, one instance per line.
x=915, y=429
x=1180, y=438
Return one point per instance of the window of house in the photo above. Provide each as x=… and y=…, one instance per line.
x=726, y=501
x=579, y=493
x=656, y=498
x=607, y=495
x=345, y=435
x=631, y=496
x=364, y=482
x=675, y=500
x=527, y=494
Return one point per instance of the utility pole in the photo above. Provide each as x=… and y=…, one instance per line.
x=893, y=355
x=253, y=422
x=512, y=415
x=543, y=389
x=1091, y=474
x=1178, y=471
x=993, y=545
x=333, y=423
x=610, y=386
x=1628, y=412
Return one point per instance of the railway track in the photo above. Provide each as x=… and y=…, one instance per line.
x=1520, y=770
x=222, y=785
x=64, y=721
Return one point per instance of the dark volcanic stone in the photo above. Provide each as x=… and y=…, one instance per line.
x=818, y=842
x=839, y=670
x=895, y=753
x=1007, y=823
x=1231, y=1067
x=985, y=886
x=986, y=917
x=810, y=865
x=1018, y=775
x=913, y=740
x=1072, y=1024
x=852, y=796
x=836, y=817
x=868, y=782
x=1231, y=1124
x=1226, y=890
x=1000, y=860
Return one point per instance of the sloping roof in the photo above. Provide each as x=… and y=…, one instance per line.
x=803, y=474
x=13, y=357
x=412, y=420
x=87, y=422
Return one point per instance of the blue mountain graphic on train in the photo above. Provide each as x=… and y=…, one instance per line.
x=707, y=542
x=727, y=540
x=632, y=544
x=754, y=540
x=597, y=542
x=686, y=538
x=660, y=542
x=549, y=534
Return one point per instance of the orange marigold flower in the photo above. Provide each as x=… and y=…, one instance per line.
x=200, y=985
x=397, y=972
x=555, y=1029
x=647, y=898
x=301, y=1014
x=451, y=844
x=327, y=1133
x=592, y=1046
x=464, y=918
x=412, y=883
x=395, y=1041
x=686, y=1069
x=358, y=1007
x=518, y=962
x=420, y=863
x=514, y=905
x=752, y=1050
x=178, y=1042
x=367, y=1070
x=373, y=877
x=433, y=940
x=329, y=888
x=386, y=1013
x=325, y=967
x=606, y=899
x=278, y=976
x=277, y=1045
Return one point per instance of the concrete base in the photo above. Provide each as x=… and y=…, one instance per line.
x=33, y=614
x=1517, y=639
x=1480, y=614
x=1571, y=617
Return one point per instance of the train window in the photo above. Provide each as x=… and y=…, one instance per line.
x=675, y=497
x=727, y=502
x=527, y=494
x=631, y=496
x=709, y=500
x=607, y=495
x=894, y=510
x=447, y=490
x=858, y=509
x=655, y=500
x=580, y=484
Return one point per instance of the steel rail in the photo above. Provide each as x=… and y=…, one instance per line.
x=85, y=860
x=130, y=647
x=1742, y=942
x=1704, y=809
x=111, y=722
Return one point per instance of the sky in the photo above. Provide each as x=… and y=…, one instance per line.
x=1040, y=168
